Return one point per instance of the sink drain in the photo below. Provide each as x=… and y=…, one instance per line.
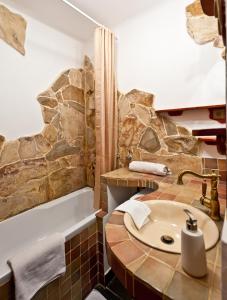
x=166, y=239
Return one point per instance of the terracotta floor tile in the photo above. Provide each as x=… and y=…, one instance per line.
x=206, y=280
x=196, y=181
x=218, y=258
x=118, y=269
x=222, y=197
x=175, y=189
x=211, y=255
x=167, y=196
x=223, y=175
x=163, y=186
x=117, y=212
x=186, y=198
x=155, y=274
x=169, y=179
x=185, y=288
x=155, y=266
x=169, y=258
x=222, y=165
x=134, y=266
x=116, y=234
x=217, y=278
x=114, y=243
x=150, y=196
x=127, y=252
x=215, y=295
x=222, y=188
x=141, y=245
x=116, y=219
x=211, y=163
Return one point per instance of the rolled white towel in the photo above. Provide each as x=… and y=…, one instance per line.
x=149, y=167
x=138, y=210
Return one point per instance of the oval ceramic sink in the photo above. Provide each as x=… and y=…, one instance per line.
x=167, y=218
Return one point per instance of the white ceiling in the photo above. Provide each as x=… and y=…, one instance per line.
x=56, y=14
x=113, y=12
x=62, y=17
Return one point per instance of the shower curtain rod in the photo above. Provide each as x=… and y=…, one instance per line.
x=83, y=13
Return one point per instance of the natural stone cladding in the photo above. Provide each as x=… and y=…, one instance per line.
x=202, y=28
x=60, y=159
x=12, y=29
x=153, y=137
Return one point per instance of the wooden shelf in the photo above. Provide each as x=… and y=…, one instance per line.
x=209, y=132
x=220, y=134
x=208, y=140
x=216, y=112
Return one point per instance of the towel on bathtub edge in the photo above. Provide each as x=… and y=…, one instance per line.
x=38, y=264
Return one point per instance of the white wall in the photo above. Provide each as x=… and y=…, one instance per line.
x=22, y=78
x=89, y=48
x=156, y=54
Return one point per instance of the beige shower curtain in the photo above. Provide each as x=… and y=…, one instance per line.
x=105, y=105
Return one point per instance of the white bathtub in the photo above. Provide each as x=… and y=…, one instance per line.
x=68, y=215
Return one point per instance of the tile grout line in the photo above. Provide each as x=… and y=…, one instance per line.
x=211, y=287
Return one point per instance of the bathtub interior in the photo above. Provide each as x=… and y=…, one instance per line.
x=67, y=215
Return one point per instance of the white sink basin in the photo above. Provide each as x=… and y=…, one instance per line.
x=167, y=218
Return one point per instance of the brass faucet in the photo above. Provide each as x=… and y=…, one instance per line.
x=212, y=203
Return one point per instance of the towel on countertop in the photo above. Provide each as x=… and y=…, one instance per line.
x=38, y=264
x=149, y=167
x=138, y=210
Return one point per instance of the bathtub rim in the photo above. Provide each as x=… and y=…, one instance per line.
x=6, y=274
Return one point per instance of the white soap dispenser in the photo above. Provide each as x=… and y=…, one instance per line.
x=193, y=254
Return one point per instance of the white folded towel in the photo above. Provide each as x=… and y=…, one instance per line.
x=149, y=167
x=138, y=210
x=38, y=264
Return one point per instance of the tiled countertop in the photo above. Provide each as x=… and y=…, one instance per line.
x=145, y=271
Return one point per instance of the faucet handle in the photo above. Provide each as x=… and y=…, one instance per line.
x=191, y=223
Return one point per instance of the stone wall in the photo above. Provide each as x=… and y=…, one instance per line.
x=152, y=137
x=12, y=29
x=50, y=164
x=202, y=28
x=90, y=140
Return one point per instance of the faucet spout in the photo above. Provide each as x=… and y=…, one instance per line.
x=212, y=203
x=180, y=176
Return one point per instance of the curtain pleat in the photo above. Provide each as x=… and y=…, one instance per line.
x=106, y=126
